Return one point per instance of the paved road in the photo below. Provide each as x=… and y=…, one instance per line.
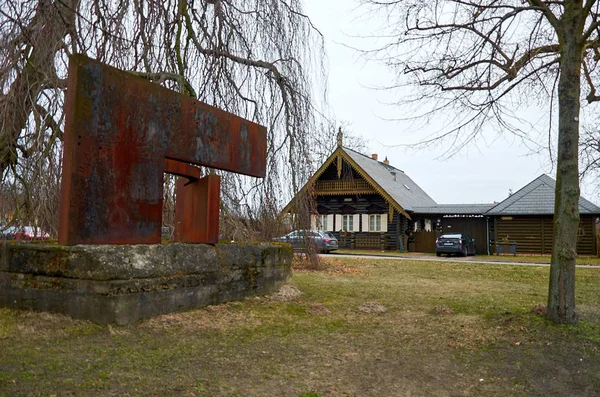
x=458, y=260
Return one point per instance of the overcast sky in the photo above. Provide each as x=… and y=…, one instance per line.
x=482, y=173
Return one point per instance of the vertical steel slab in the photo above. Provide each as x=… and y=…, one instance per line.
x=112, y=182
x=197, y=210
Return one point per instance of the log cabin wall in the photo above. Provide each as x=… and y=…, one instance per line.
x=359, y=205
x=533, y=234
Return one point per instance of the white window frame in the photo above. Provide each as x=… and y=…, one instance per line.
x=375, y=222
x=322, y=222
x=348, y=223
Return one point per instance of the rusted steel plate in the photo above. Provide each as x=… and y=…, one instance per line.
x=197, y=210
x=181, y=169
x=119, y=129
x=218, y=139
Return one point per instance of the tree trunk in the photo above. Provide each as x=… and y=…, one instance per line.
x=561, y=293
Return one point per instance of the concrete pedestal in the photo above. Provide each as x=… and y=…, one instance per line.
x=125, y=283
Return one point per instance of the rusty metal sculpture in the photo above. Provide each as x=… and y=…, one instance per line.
x=121, y=134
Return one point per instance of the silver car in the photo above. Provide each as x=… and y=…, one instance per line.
x=301, y=239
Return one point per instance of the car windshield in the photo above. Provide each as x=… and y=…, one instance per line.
x=451, y=236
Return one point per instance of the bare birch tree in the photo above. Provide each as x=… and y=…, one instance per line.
x=476, y=60
x=259, y=59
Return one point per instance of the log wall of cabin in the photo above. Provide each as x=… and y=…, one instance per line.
x=533, y=234
x=348, y=204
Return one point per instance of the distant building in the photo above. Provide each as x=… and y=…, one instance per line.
x=370, y=204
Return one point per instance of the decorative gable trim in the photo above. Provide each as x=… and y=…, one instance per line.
x=393, y=203
x=339, y=155
x=334, y=156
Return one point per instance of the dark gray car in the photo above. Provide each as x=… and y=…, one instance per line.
x=301, y=239
x=459, y=244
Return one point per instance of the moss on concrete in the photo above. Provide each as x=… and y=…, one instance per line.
x=124, y=283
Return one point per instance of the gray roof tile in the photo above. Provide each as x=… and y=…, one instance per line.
x=399, y=186
x=455, y=209
x=537, y=198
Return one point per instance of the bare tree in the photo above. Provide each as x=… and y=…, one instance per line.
x=589, y=149
x=476, y=61
x=259, y=59
x=326, y=140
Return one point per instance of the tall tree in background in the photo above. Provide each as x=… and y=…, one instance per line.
x=256, y=59
x=476, y=60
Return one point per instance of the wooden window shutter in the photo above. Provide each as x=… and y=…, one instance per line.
x=365, y=222
x=338, y=222
x=384, y=222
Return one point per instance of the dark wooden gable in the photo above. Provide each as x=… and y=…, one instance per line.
x=341, y=181
x=323, y=209
x=376, y=208
x=331, y=172
x=347, y=209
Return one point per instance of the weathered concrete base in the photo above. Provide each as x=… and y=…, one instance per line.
x=125, y=283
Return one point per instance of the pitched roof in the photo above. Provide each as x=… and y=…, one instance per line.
x=394, y=181
x=454, y=209
x=537, y=198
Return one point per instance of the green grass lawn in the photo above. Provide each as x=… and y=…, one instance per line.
x=521, y=258
x=491, y=345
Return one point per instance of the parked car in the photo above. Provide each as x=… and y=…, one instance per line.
x=459, y=244
x=299, y=239
x=7, y=233
x=23, y=233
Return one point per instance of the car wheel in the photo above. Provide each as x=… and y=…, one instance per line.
x=438, y=254
x=466, y=253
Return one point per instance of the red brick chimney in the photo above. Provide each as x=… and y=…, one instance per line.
x=374, y=156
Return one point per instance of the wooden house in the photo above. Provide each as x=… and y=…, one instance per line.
x=364, y=201
x=371, y=204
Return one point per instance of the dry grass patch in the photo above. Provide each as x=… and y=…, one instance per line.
x=319, y=343
x=219, y=318
x=19, y=325
x=334, y=266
